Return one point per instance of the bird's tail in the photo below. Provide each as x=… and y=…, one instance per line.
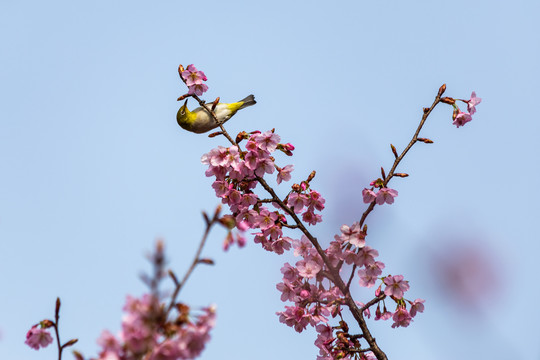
x=247, y=101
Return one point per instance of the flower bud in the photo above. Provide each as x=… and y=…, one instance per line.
x=448, y=100
x=442, y=89
x=394, y=151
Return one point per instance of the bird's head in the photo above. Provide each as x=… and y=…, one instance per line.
x=182, y=115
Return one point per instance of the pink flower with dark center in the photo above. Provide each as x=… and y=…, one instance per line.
x=264, y=166
x=37, y=337
x=273, y=232
x=395, y=286
x=386, y=195
x=290, y=273
x=366, y=256
x=266, y=219
x=193, y=76
x=267, y=141
x=471, y=104
x=308, y=269
x=221, y=188
x=284, y=174
x=296, y=201
x=311, y=218
x=302, y=247
x=368, y=195
x=288, y=292
x=461, y=119
x=365, y=279
x=280, y=245
x=401, y=317
x=315, y=200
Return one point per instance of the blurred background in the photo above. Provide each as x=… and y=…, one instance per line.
x=94, y=167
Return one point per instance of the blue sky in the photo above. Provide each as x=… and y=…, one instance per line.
x=95, y=168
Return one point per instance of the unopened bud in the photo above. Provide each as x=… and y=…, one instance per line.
x=425, y=140
x=228, y=221
x=401, y=174
x=45, y=324
x=180, y=68
x=455, y=113
x=297, y=188
x=173, y=277
x=182, y=97
x=70, y=342
x=214, y=104
x=217, y=133
x=57, y=309
x=425, y=110
x=311, y=176
x=77, y=355
x=442, y=89
x=448, y=100
x=206, y=219
x=394, y=151
x=241, y=136
x=206, y=261
x=382, y=173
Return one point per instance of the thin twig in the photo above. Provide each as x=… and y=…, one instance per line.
x=194, y=263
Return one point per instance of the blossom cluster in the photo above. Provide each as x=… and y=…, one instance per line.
x=145, y=331
x=316, y=298
x=237, y=174
x=307, y=284
x=194, y=80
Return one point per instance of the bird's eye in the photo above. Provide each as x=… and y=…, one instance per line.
x=182, y=112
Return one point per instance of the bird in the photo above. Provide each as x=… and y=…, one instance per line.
x=200, y=121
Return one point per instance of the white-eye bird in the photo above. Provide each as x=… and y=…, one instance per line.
x=200, y=121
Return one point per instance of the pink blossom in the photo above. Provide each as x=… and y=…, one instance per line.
x=471, y=104
x=295, y=317
x=221, y=188
x=193, y=76
x=266, y=219
x=461, y=119
x=308, y=269
x=267, y=141
x=284, y=174
x=395, y=286
x=401, y=317
x=368, y=195
x=288, y=292
x=265, y=166
x=315, y=200
x=353, y=235
x=290, y=273
x=280, y=245
x=37, y=337
x=302, y=247
x=311, y=218
x=197, y=89
x=167, y=350
x=386, y=195
x=366, y=256
x=296, y=201
x=417, y=306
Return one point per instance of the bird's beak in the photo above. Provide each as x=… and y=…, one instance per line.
x=185, y=104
